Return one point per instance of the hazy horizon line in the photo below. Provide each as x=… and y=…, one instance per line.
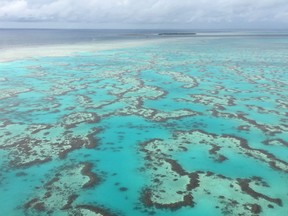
x=236, y=29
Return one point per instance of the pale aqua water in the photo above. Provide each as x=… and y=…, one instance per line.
x=199, y=96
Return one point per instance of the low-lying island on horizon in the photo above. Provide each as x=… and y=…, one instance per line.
x=177, y=34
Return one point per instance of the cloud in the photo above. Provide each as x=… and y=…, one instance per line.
x=146, y=12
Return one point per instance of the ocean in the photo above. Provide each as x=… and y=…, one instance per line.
x=130, y=122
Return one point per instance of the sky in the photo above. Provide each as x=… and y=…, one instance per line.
x=200, y=14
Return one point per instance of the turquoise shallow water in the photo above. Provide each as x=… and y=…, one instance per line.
x=188, y=126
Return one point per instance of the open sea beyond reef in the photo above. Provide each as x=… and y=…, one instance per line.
x=132, y=123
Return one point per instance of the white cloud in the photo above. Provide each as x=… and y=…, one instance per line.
x=146, y=12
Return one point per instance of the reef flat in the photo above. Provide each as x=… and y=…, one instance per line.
x=174, y=126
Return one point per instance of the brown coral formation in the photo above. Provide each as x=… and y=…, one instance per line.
x=172, y=187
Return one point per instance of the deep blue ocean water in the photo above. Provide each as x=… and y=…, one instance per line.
x=171, y=126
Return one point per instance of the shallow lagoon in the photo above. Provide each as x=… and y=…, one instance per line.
x=188, y=126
